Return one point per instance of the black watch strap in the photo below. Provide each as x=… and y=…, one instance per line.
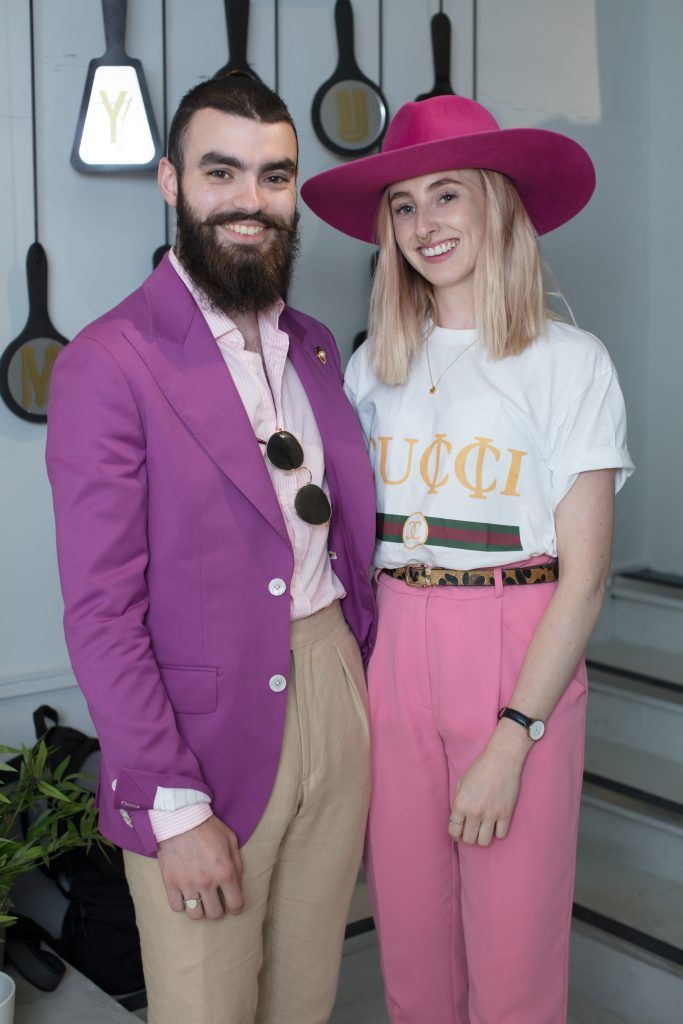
x=516, y=716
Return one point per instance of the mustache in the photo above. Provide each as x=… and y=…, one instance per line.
x=221, y=219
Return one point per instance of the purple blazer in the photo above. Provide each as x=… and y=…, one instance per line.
x=168, y=534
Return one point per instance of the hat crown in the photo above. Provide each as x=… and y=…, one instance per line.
x=441, y=117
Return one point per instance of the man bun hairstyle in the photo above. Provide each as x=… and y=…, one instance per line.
x=234, y=93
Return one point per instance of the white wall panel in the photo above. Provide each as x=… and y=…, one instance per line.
x=664, y=341
x=561, y=66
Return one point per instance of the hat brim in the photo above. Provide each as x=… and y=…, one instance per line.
x=553, y=174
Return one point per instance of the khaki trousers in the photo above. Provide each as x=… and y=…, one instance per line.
x=278, y=961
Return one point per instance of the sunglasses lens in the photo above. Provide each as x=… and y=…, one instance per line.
x=312, y=505
x=284, y=451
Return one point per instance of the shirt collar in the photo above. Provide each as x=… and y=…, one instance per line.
x=220, y=323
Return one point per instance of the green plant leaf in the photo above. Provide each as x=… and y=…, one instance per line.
x=61, y=768
x=62, y=816
x=52, y=791
x=40, y=757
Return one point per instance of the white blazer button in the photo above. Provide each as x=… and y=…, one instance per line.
x=277, y=586
x=277, y=683
x=127, y=818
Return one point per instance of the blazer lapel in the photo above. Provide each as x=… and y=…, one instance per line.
x=182, y=355
x=322, y=386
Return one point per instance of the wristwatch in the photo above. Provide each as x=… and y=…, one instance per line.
x=534, y=726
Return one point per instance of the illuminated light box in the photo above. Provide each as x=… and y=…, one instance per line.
x=116, y=128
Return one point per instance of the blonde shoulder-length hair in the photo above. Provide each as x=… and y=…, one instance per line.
x=509, y=299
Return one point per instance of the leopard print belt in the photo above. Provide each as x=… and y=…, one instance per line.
x=433, y=576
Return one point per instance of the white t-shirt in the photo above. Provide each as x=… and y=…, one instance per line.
x=470, y=476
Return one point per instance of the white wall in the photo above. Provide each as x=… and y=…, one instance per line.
x=561, y=65
x=553, y=63
x=664, y=340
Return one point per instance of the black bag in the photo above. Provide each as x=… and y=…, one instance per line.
x=99, y=935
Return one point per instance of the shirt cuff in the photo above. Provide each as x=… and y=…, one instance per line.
x=167, y=824
x=167, y=799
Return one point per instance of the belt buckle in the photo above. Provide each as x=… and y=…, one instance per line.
x=426, y=569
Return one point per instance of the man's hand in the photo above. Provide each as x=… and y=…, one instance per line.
x=204, y=862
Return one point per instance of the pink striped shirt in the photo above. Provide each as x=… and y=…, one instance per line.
x=272, y=402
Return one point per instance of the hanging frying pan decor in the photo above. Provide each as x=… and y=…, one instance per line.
x=26, y=364
x=237, y=19
x=116, y=129
x=349, y=113
x=441, y=48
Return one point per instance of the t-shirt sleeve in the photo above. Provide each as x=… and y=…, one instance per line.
x=592, y=435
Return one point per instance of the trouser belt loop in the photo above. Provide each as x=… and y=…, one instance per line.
x=498, y=580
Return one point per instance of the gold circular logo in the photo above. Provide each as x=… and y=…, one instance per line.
x=415, y=531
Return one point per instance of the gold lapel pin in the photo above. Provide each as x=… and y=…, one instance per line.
x=320, y=352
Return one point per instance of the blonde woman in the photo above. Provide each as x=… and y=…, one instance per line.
x=498, y=437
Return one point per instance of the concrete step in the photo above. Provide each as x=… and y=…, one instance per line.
x=644, y=608
x=629, y=902
x=632, y=832
x=630, y=983
x=655, y=778
x=636, y=713
x=662, y=669
x=582, y=1011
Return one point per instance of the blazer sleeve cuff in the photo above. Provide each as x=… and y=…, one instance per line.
x=137, y=790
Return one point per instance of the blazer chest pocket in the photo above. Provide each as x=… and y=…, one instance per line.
x=191, y=690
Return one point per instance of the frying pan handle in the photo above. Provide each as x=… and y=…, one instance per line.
x=237, y=18
x=441, y=47
x=114, y=14
x=343, y=19
x=36, y=277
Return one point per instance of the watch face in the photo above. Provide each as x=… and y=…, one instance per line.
x=536, y=730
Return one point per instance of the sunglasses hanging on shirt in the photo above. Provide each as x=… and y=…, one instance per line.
x=310, y=502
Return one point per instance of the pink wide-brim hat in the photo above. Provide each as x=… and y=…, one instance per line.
x=553, y=174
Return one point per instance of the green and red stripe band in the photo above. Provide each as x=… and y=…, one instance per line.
x=454, y=533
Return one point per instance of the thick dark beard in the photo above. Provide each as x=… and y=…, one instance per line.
x=237, y=278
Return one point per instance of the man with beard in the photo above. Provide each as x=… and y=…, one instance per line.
x=215, y=521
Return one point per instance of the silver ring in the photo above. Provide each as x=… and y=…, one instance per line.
x=455, y=821
x=192, y=904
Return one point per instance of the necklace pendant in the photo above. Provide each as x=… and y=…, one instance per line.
x=432, y=390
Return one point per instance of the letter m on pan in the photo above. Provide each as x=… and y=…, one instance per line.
x=35, y=380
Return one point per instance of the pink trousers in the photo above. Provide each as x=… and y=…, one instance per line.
x=468, y=934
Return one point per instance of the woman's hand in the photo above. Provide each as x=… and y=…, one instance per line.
x=486, y=795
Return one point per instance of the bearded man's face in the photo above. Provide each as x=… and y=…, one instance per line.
x=236, y=209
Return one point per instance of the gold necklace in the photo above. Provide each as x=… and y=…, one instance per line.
x=434, y=386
